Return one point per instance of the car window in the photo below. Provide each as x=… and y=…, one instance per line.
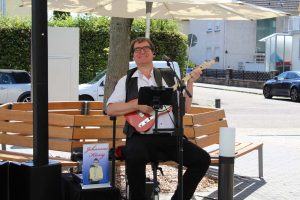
x=5, y=79
x=20, y=77
x=282, y=76
x=98, y=77
x=292, y=75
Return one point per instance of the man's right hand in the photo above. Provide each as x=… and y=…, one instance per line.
x=142, y=108
x=122, y=108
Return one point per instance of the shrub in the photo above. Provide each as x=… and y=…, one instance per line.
x=15, y=42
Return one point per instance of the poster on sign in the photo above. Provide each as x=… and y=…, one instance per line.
x=95, y=169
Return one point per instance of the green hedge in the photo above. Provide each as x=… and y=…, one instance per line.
x=94, y=42
x=15, y=43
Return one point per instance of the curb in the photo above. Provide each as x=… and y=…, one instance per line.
x=229, y=88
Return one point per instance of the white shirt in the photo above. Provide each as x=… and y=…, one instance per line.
x=119, y=95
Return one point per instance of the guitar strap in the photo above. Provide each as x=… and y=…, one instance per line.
x=157, y=77
x=132, y=91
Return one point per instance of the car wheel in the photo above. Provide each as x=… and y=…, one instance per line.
x=85, y=98
x=295, y=96
x=267, y=92
x=25, y=98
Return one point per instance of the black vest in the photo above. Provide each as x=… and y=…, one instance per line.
x=132, y=92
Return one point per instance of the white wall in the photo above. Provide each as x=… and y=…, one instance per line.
x=240, y=42
x=209, y=43
x=237, y=38
x=63, y=63
x=296, y=52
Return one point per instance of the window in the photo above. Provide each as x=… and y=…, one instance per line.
x=292, y=75
x=208, y=53
x=299, y=50
x=217, y=27
x=5, y=79
x=209, y=27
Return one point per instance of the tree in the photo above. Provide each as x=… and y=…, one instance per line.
x=119, y=55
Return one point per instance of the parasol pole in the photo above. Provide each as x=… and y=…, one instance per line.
x=148, y=18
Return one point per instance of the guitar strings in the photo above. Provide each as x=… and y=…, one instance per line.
x=170, y=116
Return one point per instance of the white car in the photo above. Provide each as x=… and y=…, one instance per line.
x=94, y=90
x=15, y=86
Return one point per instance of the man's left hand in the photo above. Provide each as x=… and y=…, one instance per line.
x=195, y=75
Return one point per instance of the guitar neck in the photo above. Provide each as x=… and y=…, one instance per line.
x=198, y=68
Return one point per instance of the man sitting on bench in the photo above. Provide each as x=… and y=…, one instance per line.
x=143, y=148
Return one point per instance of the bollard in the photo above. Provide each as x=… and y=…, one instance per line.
x=217, y=103
x=226, y=163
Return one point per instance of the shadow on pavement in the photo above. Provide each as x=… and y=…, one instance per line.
x=243, y=186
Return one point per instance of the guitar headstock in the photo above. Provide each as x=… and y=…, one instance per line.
x=207, y=64
x=201, y=67
x=217, y=59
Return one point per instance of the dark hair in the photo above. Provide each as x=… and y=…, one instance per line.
x=140, y=40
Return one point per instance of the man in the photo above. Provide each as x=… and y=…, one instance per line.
x=143, y=148
x=95, y=173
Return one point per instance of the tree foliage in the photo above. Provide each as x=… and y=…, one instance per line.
x=15, y=42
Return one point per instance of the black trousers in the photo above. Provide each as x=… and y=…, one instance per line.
x=141, y=149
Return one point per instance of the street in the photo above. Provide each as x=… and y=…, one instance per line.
x=275, y=122
x=244, y=110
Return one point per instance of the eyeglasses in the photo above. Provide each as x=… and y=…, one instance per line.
x=145, y=49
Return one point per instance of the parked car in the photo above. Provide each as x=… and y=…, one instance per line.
x=94, y=90
x=14, y=86
x=286, y=84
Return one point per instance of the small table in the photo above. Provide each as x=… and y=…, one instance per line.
x=73, y=191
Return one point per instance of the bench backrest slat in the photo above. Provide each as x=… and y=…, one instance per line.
x=60, y=119
x=61, y=145
x=16, y=127
x=210, y=128
x=16, y=139
x=93, y=120
x=105, y=133
x=197, y=109
x=208, y=117
x=207, y=140
x=60, y=132
x=15, y=115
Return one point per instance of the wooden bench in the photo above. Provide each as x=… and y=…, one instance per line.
x=72, y=124
x=67, y=122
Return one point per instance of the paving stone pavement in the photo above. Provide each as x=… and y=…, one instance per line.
x=281, y=162
x=281, y=158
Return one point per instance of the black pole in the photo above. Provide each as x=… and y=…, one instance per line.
x=225, y=182
x=180, y=146
x=179, y=126
x=41, y=174
x=39, y=56
x=217, y=103
x=113, y=160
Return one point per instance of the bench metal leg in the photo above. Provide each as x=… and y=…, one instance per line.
x=156, y=189
x=260, y=162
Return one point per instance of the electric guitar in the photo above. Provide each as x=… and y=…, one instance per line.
x=142, y=122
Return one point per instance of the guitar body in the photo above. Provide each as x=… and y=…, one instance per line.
x=142, y=122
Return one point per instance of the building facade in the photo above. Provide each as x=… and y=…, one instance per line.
x=232, y=41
